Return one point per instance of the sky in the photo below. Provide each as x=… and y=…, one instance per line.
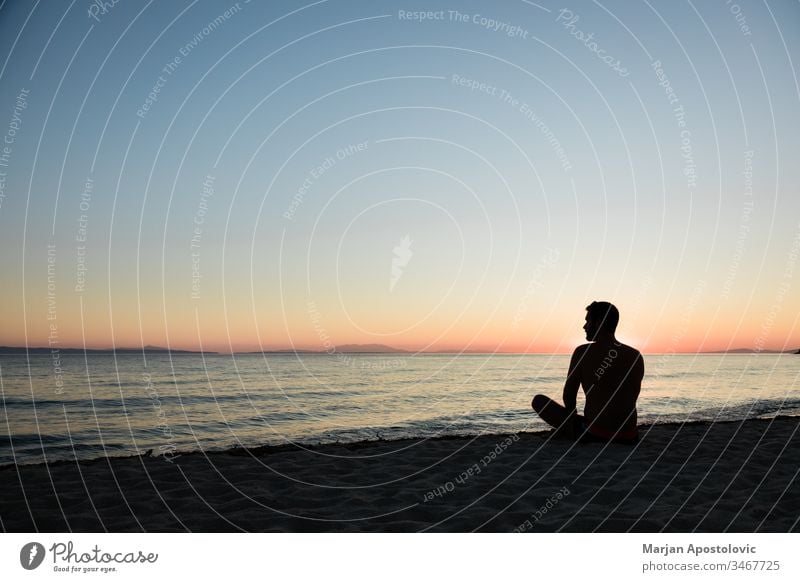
x=429, y=176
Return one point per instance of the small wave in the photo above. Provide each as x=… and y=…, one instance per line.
x=138, y=402
x=25, y=439
x=756, y=408
x=542, y=379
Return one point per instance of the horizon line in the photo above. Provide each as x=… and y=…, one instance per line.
x=387, y=352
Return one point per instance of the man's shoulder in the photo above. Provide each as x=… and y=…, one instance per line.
x=579, y=357
x=631, y=354
x=582, y=349
x=629, y=349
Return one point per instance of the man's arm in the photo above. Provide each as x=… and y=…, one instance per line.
x=639, y=370
x=573, y=381
x=638, y=373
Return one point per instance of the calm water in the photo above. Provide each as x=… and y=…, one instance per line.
x=120, y=405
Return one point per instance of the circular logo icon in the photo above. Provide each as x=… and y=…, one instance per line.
x=31, y=555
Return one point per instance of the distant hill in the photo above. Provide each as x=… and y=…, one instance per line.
x=480, y=352
x=287, y=351
x=368, y=349
x=343, y=349
x=146, y=349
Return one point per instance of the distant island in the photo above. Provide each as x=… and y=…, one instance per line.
x=367, y=349
x=16, y=350
x=343, y=349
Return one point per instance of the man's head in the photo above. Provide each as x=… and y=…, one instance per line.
x=601, y=319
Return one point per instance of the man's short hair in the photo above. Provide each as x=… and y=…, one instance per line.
x=605, y=313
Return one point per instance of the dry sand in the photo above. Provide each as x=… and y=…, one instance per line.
x=712, y=477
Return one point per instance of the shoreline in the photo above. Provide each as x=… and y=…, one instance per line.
x=695, y=476
x=318, y=447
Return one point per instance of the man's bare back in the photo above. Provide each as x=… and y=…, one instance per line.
x=611, y=376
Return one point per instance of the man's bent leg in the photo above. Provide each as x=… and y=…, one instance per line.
x=555, y=415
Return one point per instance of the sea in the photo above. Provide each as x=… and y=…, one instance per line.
x=85, y=406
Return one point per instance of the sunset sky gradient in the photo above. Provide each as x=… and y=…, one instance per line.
x=342, y=172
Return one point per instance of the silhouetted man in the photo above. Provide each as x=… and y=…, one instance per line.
x=611, y=375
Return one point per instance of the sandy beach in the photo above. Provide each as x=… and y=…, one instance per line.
x=711, y=477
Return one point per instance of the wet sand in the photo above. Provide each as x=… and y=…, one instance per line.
x=726, y=476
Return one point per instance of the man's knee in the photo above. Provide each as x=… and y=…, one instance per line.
x=539, y=402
